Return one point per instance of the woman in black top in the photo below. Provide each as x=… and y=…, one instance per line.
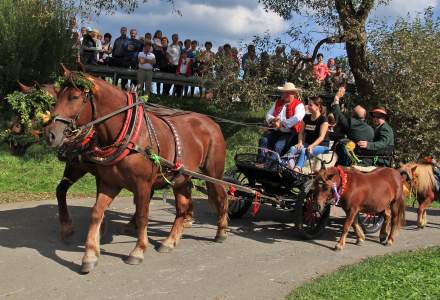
x=313, y=137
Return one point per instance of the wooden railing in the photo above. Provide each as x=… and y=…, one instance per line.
x=116, y=72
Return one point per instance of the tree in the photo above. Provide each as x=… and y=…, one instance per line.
x=403, y=63
x=344, y=20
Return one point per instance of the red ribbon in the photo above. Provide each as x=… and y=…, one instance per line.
x=178, y=165
x=256, y=204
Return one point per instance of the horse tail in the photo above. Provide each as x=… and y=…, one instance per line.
x=399, y=204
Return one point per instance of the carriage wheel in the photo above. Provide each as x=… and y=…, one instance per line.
x=309, y=223
x=370, y=223
x=242, y=202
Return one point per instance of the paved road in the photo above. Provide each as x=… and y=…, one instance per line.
x=262, y=258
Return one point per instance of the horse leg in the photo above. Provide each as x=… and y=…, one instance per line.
x=142, y=201
x=217, y=194
x=189, y=218
x=384, y=230
x=105, y=196
x=352, y=213
x=421, y=213
x=182, y=194
x=359, y=232
x=71, y=175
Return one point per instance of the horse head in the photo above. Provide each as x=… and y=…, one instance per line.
x=409, y=177
x=81, y=98
x=324, y=185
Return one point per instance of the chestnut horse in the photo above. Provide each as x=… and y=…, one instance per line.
x=200, y=138
x=422, y=182
x=379, y=191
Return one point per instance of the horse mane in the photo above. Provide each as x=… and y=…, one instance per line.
x=425, y=177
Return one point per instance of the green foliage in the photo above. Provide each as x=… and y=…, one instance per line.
x=403, y=60
x=76, y=80
x=408, y=275
x=30, y=105
x=35, y=37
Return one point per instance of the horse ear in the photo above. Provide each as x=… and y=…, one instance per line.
x=413, y=169
x=64, y=71
x=80, y=66
x=23, y=88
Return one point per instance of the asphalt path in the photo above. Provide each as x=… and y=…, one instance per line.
x=261, y=259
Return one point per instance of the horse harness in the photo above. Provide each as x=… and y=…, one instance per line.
x=81, y=142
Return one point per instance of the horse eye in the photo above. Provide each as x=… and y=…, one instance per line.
x=73, y=97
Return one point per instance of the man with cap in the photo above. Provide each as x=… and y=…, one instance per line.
x=285, y=118
x=383, y=141
x=355, y=128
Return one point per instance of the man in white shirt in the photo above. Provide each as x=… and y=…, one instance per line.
x=146, y=60
x=173, y=56
x=285, y=118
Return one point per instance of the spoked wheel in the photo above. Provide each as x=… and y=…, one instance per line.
x=309, y=223
x=370, y=223
x=242, y=201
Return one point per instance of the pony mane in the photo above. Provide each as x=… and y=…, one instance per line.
x=425, y=177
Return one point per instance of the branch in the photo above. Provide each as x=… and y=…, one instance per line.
x=329, y=40
x=364, y=9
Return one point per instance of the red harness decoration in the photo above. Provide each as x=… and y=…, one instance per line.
x=111, y=150
x=256, y=204
x=344, y=180
x=231, y=191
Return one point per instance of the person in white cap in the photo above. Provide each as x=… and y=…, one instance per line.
x=285, y=118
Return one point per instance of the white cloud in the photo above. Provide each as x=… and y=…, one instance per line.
x=201, y=20
x=399, y=8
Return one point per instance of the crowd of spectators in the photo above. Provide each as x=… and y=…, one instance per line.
x=148, y=53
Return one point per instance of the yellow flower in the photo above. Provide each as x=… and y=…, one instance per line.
x=350, y=146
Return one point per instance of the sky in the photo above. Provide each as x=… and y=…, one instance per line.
x=229, y=21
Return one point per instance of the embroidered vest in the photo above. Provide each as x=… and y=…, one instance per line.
x=290, y=111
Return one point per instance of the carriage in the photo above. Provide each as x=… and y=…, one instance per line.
x=281, y=187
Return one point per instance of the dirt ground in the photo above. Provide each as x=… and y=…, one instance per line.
x=261, y=259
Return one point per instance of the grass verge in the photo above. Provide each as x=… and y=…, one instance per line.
x=406, y=275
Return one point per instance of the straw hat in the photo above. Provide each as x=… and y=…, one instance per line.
x=288, y=87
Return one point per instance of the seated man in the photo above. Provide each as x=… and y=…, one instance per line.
x=383, y=141
x=285, y=117
x=355, y=128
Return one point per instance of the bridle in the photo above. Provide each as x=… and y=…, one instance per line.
x=72, y=128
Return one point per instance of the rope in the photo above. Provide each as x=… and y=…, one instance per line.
x=156, y=160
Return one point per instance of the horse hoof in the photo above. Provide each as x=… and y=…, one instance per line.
x=164, y=249
x=188, y=224
x=220, y=238
x=383, y=239
x=338, y=248
x=389, y=243
x=133, y=260
x=88, y=266
x=360, y=242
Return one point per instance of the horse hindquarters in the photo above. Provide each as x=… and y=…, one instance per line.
x=214, y=166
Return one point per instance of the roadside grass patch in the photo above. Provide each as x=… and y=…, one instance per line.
x=406, y=275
